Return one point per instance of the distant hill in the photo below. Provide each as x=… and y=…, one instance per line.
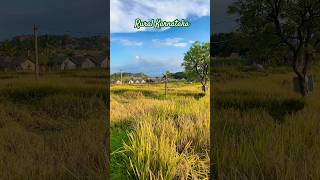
x=127, y=75
x=23, y=45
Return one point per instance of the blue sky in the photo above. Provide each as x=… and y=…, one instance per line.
x=150, y=51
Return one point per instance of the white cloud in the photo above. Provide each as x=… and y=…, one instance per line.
x=151, y=66
x=175, y=42
x=191, y=42
x=124, y=12
x=127, y=42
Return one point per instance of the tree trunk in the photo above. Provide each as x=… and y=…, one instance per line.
x=303, y=86
x=302, y=75
x=204, y=87
x=204, y=84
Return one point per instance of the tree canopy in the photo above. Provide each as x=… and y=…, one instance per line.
x=197, y=62
x=293, y=25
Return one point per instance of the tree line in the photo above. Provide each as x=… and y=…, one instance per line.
x=50, y=44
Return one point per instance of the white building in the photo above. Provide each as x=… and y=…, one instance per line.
x=118, y=82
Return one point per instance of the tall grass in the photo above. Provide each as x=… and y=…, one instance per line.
x=52, y=128
x=169, y=137
x=265, y=131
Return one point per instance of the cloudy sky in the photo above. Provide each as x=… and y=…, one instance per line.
x=149, y=51
x=82, y=17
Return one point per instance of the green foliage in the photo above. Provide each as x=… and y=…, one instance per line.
x=197, y=62
x=224, y=44
x=8, y=49
x=289, y=27
x=179, y=75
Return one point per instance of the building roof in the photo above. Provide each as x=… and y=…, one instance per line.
x=80, y=59
x=58, y=60
x=97, y=59
x=12, y=62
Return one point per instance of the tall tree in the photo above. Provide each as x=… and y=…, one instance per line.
x=197, y=62
x=295, y=22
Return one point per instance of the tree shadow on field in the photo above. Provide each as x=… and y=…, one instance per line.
x=29, y=95
x=156, y=94
x=197, y=96
x=277, y=107
x=146, y=93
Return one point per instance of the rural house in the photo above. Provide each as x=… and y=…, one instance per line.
x=61, y=63
x=118, y=82
x=76, y=62
x=84, y=62
x=100, y=61
x=21, y=64
x=104, y=63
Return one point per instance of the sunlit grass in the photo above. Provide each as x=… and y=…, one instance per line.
x=168, y=137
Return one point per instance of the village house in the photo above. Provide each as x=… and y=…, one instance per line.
x=61, y=63
x=57, y=63
x=130, y=82
x=23, y=64
x=118, y=82
x=67, y=63
x=18, y=64
x=91, y=60
x=104, y=63
x=84, y=62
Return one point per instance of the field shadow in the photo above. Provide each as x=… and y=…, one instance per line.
x=29, y=95
x=146, y=93
x=277, y=107
x=4, y=77
x=197, y=96
x=157, y=95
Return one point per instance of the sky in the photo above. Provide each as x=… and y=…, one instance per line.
x=82, y=17
x=222, y=21
x=148, y=51
x=152, y=51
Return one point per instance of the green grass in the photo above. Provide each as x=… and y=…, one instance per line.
x=52, y=128
x=263, y=130
x=118, y=136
